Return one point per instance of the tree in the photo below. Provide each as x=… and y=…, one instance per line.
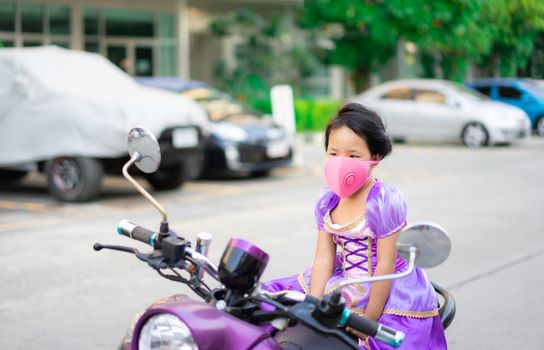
x=518, y=25
x=452, y=34
x=270, y=51
x=366, y=33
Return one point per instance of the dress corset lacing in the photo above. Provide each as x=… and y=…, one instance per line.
x=358, y=246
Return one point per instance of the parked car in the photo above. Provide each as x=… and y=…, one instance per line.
x=526, y=94
x=242, y=140
x=66, y=113
x=440, y=110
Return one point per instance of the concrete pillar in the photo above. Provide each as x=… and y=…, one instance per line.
x=337, y=82
x=228, y=50
x=18, y=25
x=76, y=27
x=182, y=36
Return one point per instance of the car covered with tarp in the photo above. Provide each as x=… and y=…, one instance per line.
x=67, y=113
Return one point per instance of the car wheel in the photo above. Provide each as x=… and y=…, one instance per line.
x=167, y=178
x=540, y=126
x=74, y=179
x=475, y=135
x=12, y=175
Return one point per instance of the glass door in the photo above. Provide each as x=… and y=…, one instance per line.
x=118, y=55
x=143, y=57
x=133, y=58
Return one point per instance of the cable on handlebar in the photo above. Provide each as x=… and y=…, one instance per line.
x=177, y=278
x=274, y=303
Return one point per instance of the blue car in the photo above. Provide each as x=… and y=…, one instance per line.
x=523, y=93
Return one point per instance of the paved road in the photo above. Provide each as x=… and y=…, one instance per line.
x=56, y=293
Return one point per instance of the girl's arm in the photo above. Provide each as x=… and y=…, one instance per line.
x=379, y=291
x=323, y=265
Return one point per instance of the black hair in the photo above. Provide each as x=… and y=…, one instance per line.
x=364, y=122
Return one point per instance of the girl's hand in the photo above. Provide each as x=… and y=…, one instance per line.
x=356, y=333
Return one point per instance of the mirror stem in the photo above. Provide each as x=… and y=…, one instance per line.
x=135, y=157
x=392, y=276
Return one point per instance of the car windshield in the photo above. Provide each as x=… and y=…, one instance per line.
x=468, y=93
x=220, y=105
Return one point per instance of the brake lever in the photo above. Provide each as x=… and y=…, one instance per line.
x=99, y=246
x=156, y=262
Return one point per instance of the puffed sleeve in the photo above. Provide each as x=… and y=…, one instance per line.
x=326, y=201
x=386, y=210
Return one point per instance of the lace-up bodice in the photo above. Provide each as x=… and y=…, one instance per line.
x=358, y=246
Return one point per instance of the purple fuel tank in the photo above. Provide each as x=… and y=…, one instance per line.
x=211, y=328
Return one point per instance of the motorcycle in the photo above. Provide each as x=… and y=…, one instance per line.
x=238, y=314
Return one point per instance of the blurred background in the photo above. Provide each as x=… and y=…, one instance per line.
x=459, y=84
x=327, y=51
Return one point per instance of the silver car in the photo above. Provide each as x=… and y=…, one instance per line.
x=440, y=110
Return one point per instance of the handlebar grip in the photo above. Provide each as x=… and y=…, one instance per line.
x=374, y=329
x=362, y=324
x=136, y=232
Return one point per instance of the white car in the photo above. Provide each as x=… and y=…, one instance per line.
x=67, y=113
x=440, y=110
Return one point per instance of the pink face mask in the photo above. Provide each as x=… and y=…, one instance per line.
x=345, y=175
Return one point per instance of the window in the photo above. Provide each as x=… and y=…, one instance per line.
x=92, y=47
x=32, y=18
x=167, y=57
x=63, y=44
x=429, y=96
x=59, y=19
x=486, y=90
x=509, y=92
x=6, y=43
x=398, y=94
x=165, y=23
x=32, y=43
x=7, y=17
x=129, y=23
x=90, y=21
x=144, y=61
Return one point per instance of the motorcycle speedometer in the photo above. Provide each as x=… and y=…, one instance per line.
x=242, y=265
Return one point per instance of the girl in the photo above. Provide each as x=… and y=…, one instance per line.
x=361, y=217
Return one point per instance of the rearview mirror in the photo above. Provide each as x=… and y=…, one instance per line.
x=432, y=242
x=142, y=141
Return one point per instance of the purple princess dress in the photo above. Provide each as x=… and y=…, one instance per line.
x=411, y=306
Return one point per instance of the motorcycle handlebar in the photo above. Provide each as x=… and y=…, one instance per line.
x=359, y=323
x=144, y=235
x=204, y=262
x=136, y=232
x=375, y=329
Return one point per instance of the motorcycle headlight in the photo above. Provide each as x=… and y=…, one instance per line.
x=166, y=332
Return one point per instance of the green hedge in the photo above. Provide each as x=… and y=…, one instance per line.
x=310, y=114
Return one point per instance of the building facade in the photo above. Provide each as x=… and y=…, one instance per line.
x=159, y=37
x=145, y=38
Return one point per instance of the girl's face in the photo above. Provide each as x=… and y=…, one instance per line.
x=344, y=142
